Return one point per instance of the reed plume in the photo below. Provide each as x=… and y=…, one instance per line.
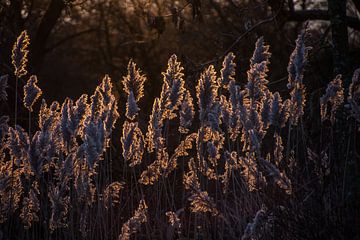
x=134, y=223
x=133, y=143
x=31, y=207
x=173, y=88
x=20, y=53
x=227, y=71
x=334, y=97
x=111, y=194
x=31, y=92
x=134, y=88
x=186, y=113
x=296, y=67
x=206, y=92
x=154, y=133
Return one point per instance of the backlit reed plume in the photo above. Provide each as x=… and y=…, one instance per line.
x=111, y=115
x=94, y=141
x=256, y=86
x=354, y=95
x=173, y=219
x=253, y=130
x=173, y=88
x=200, y=201
x=235, y=106
x=83, y=183
x=278, y=150
x=279, y=111
x=105, y=88
x=111, y=194
x=133, y=225
x=99, y=122
x=11, y=189
x=334, y=97
x=154, y=133
x=186, y=113
x=133, y=143
x=109, y=107
x=134, y=88
x=206, y=92
x=49, y=116
x=227, y=71
x=254, y=105
x=152, y=172
x=131, y=107
x=59, y=206
x=72, y=119
x=256, y=75
x=31, y=92
x=160, y=167
x=232, y=163
x=49, y=138
x=163, y=164
x=266, y=105
x=174, y=223
x=261, y=53
x=214, y=146
x=250, y=171
x=180, y=151
x=297, y=63
x=31, y=206
x=209, y=143
x=96, y=107
x=272, y=171
x=225, y=111
x=3, y=86
x=18, y=145
x=19, y=55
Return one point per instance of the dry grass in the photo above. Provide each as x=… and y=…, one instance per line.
x=226, y=173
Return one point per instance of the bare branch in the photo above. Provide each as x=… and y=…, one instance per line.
x=303, y=15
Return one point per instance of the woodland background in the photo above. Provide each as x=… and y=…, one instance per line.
x=74, y=43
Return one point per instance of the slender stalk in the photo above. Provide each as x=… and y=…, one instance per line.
x=16, y=100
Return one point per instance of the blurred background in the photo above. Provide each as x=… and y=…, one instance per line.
x=75, y=42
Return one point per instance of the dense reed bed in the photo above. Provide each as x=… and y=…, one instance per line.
x=222, y=161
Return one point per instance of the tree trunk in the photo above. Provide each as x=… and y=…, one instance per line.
x=340, y=41
x=46, y=25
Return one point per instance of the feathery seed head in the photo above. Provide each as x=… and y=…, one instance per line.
x=334, y=96
x=228, y=70
x=173, y=88
x=134, y=81
x=186, y=113
x=298, y=60
x=261, y=54
x=19, y=55
x=206, y=91
x=31, y=92
x=131, y=107
x=133, y=143
x=154, y=136
x=134, y=223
